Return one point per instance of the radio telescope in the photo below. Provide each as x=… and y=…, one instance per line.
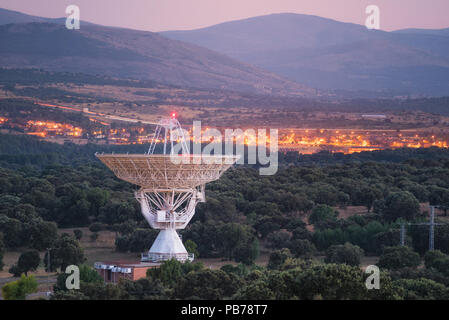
x=171, y=185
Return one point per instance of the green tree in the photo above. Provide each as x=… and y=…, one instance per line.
x=302, y=248
x=241, y=269
x=322, y=214
x=192, y=247
x=143, y=289
x=247, y=252
x=87, y=275
x=97, y=198
x=168, y=273
x=12, y=230
x=207, y=284
x=279, y=239
x=331, y=282
x=389, y=238
x=138, y=241
x=401, y=204
x=399, y=257
x=439, y=197
x=101, y=291
x=278, y=257
x=43, y=234
x=257, y=290
x=28, y=261
x=423, y=289
x=437, y=260
x=347, y=253
x=17, y=290
x=66, y=251
x=368, y=195
x=233, y=239
x=327, y=237
x=431, y=258
x=117, y=212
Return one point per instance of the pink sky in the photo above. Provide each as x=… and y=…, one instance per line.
x=160, y=15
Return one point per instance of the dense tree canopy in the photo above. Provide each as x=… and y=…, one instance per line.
x=347, y=254
x=28, y=261
x=399, y=257
x=66, y=251
x=292, y=215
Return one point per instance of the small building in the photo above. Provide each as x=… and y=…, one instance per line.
x=114, y=271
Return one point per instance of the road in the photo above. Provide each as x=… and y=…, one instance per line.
x=96, y=114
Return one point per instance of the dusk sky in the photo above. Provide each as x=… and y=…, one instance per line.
x=160, y=15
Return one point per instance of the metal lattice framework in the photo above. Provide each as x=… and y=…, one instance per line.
x=172, y=127
x=170, y=187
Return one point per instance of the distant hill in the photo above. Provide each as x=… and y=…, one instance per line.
x=435, y=32
x=328, y=54
x=136, y=54
x=10, y=16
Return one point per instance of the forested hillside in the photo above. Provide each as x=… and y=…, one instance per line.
x=294, y=214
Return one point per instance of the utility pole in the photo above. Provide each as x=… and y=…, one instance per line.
x=431, y=225
x=432, y=229
x=402, y=234
x=48, y=269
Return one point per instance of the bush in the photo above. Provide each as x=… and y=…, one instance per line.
x=347, y=254
x=65, y=252
x=423, y=289
x=302, y=248
x=399, y=257
x=400, y=205
x=192, y=247
x=432, y=256
x=278, y=239
x=437, y=260
x=17, y=290
x=87, y=275
x=28, y=261
x=322, y=215
x=257, y=290
x=207, y=284
x=278, y=257
x=248, y=252
x=331, y=281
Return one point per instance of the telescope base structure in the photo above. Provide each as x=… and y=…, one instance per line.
x=171, y=185
x=167, y=246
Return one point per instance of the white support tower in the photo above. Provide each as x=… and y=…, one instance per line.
x=171, y=186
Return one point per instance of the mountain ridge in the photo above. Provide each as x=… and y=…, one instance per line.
x=329, y=54
x=134, y=54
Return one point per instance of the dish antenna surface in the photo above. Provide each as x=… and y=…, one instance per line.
x=171, y=185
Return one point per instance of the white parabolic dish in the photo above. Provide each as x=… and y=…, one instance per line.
x=159, y=171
